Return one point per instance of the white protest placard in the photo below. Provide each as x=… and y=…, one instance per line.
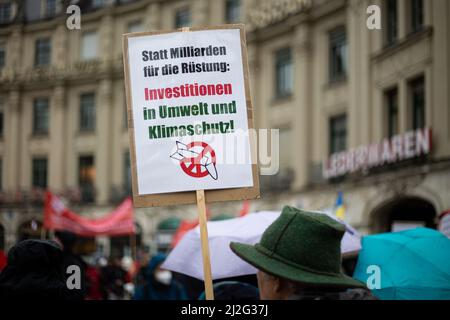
x=189, y=111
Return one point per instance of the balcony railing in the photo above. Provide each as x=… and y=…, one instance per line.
x=36, y=196
x=87, y=193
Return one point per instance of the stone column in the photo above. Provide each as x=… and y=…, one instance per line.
x=354, y=63
x=302, y=115
x=106, y=39
x=403, y=112
x=440, y=76
x=253, y=66
x=253, y=62
x=117, y=133
x=15, y=53
x=57, y=159
x=402, y=18
x=103, y=130
x=60, y=45
x=12, y=141
x=359, y=119
x=377, y=36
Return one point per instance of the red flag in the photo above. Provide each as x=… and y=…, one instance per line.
x=118, y=222
x=245, y=208
x=3, y=260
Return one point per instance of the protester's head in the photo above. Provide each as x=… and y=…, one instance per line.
x=34, y=270
x=158, y=274
x=67, y=239
x=127, y=263
x=274, y=288
x=299, y=252
x=102, y=262
x=144, y=258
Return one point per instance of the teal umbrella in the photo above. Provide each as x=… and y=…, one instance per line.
x=413, y=264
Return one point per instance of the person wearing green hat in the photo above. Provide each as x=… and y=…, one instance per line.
x=299, y=257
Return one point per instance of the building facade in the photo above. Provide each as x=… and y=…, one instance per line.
x=318, y=74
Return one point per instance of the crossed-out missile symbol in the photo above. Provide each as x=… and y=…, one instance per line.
x=183, y=152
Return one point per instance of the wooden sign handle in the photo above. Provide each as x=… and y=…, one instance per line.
x=209, y=293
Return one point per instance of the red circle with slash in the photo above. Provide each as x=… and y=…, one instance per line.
x=192, y=166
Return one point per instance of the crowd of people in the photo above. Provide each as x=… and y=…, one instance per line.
x=298, y=257
x=40, y=269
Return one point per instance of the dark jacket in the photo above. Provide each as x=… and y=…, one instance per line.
x=34, y=271
x=350, y=294
x=112, y=280
x=69, y=258
x=233, y=290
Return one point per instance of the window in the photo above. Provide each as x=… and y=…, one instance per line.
x=42, y=52
x=338, y=54
x=50, y=8
x=97, y=3
x=5, y=12
x=40, y=116
x=40, y=173
x=86, y=177
x=416, y=15
x=417, y=91
x=182, y=18
x=87, y=112
x=391, y=98
x=89, y=41
x=127, y=172
x=135, y=26
x=338, y=133
x=232, y=10
x=283, y=73
x=2, y=56
x=391, y=22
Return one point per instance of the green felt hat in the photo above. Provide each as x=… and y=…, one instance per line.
x=300, y=246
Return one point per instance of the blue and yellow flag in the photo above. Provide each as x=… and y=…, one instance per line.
x=339, y=210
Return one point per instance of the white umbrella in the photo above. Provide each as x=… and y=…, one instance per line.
x=186, y=257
